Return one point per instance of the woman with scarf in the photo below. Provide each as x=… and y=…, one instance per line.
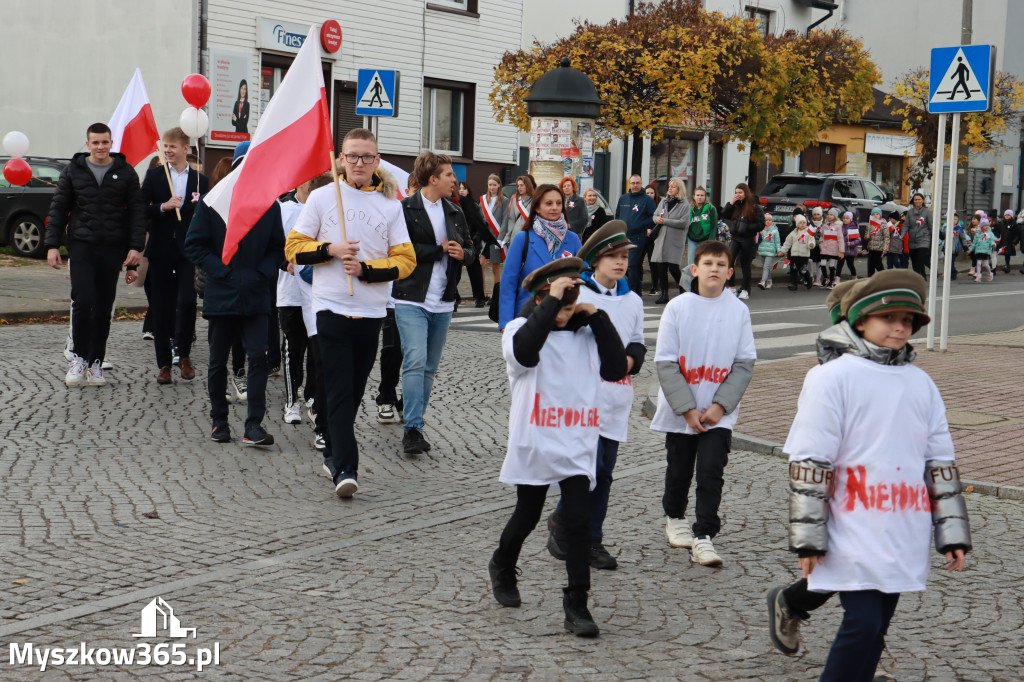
x=671, y=219
x=545, y=237
x=514, y=215
x=596, y=215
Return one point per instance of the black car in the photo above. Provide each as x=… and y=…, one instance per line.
x=23, y=209
x=786, y=191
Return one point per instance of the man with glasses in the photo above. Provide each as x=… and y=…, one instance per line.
x=373, y=252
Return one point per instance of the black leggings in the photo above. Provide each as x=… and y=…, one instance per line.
x=575, y=520
x=476, y=274
x=849, y=262
x=875, y=262
x=744, y=248
x=661, y=272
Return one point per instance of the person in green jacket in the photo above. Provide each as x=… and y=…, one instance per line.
x=703, y=226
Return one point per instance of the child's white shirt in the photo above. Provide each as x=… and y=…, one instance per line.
x=627, y=314
x=554, y=420
x=706, y=336
x=877, y=424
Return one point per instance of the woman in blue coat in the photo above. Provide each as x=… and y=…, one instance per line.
x=549, y=238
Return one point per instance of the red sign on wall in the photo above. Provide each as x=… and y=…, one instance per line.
x=330, y=36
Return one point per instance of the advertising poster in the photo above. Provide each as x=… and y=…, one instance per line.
x=231, y=121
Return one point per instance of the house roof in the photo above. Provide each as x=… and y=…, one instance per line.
x=882, y=113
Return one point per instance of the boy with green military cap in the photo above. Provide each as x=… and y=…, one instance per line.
x=557, y=352
x=606, y=257
x=872, y=472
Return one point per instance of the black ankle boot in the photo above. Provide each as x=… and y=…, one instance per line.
x=663, y=299
x=554, y=546
x=503, y=584
x=577, y=618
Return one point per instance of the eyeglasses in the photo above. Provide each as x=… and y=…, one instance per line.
x=355, y=158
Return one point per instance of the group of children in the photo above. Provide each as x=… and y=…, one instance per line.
x=570, y=354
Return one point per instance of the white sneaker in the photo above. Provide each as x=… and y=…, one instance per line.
x=346, y=488
x=319, y=443
x=386, y=414
x=311, y=413
x=76, y=372
x=704, y=553
x=292, y=414
x=147, y=336
x=69, y=353
x=309, y=402
x=679, y=532
x=107, y=365
x=744, y=295
x=240, y=388
x=94, y=377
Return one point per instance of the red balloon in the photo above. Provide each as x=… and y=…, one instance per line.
x=17, y=172
x=196, y=90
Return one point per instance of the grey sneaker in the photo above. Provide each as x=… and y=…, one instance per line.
x=783, y=626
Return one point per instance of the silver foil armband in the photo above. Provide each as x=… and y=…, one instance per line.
x=811, y=483
x=949, y=510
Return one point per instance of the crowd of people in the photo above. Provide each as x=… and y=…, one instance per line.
x=569, y=304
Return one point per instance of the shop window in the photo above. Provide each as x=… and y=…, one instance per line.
x=447, y=124
x=886, y=172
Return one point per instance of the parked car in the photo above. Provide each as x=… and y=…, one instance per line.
x=23, y=209
x=853, y=193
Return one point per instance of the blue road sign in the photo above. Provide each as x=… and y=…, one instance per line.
x=961, y=79
x=377, y=90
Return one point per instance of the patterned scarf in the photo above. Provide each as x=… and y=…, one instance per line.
x=553, y=232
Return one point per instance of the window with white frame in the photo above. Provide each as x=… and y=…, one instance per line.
x=463, y=5
x=763, y=18
x=443, y=119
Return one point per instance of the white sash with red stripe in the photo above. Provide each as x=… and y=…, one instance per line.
x=492, y=222
x=522, y=211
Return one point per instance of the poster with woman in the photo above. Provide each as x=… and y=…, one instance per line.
x=232, y=93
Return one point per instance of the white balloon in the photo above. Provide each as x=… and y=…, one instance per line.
x=16, y=144
x=194, y=122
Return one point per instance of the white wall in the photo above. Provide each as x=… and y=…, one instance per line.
x=403, y=36
x=66, y=64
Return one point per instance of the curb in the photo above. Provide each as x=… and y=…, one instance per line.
x=742, y=441
x=63, y=312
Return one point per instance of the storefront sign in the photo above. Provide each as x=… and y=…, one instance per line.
x=231, y=97
x=893, y=145
x=283, y=36
x=330, y=36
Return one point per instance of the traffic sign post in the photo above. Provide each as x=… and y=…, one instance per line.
x=961, y=79
x=377, y=90
x=936, y=215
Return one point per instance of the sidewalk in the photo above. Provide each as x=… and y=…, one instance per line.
x=980, y=379
x=37, y=290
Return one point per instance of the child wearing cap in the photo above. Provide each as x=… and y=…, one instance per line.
x=799, y=244
x=557, y=352
x=606, y=252
x=814, y=265
x=832, y=249
x=897, y=257
x=863, y=501
x=1009, y=235
x=705, y=359
x=981, y=246
x=768, y=248
x=851, y=245
x=877, y=239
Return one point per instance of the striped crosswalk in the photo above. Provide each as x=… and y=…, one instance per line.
x=783, y=339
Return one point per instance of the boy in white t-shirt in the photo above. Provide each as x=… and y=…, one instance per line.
x=557, y=352
x=607, y=253
x=871, y=472
x=705, y=358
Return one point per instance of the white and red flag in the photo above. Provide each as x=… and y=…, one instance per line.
x=132, y=127
x=400, y=176
x=291, y=145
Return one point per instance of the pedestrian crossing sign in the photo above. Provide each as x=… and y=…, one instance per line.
x=961, y=79
x=377, y=90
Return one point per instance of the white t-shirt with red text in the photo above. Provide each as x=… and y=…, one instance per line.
x=877, y=424
x=705, y=336
x=554, y=421
x=627, y=314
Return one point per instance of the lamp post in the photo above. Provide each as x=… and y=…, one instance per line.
x=563, y=107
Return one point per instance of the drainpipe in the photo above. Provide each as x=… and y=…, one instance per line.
x=830, y=6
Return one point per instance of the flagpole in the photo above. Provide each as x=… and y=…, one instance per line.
x=341, y=209
x=167, y=172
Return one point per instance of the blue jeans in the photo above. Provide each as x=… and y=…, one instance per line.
x=691, y=253
x=607, y=454
x=423, y=335
x=857, y=647
x=635, y=270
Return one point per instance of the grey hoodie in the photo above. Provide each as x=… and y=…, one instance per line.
x=920, y=232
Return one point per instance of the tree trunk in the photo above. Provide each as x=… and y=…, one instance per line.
x=636, y=162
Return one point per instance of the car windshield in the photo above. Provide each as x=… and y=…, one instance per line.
x=792, y=187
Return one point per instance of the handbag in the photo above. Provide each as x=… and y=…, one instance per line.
x=493, y=308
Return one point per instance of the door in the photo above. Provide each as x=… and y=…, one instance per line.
x=820, y=159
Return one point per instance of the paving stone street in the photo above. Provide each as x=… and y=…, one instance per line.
x=252, y=548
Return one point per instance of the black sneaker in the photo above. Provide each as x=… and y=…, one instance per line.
x=256, y=435
x=413, y=442
x=783, y=624
x=221, y=434
x=601, y=559
x=503, y=584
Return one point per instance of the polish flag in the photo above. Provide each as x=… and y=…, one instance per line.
x=292, y=144
x=400, y=176
x=132, y=126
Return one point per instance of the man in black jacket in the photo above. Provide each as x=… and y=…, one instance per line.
x=425, y=301
x=237, y=302
x=98, y=204
x=171, y=275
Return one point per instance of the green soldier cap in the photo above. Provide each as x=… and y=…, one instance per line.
x=886, y=291
x=835, y=297
x=542, y=277
x=610, y=236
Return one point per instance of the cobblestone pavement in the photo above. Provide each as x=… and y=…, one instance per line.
x=252, y=548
